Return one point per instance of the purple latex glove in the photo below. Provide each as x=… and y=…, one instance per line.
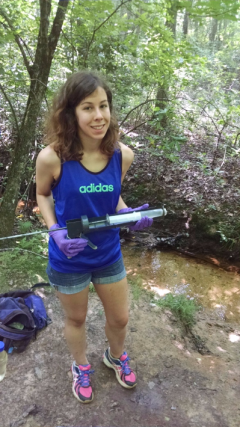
x=143, y=222
x=70, y=247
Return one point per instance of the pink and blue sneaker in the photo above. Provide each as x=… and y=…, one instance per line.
x=81, y=387
x=125, y=375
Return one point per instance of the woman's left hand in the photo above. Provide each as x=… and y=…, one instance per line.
x=143, y=222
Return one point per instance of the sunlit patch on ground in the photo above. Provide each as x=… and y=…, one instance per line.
x=159, y=291
x=233, y=337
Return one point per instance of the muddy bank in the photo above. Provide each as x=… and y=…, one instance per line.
x=203, y=204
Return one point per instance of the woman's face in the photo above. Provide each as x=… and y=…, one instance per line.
x=93, y=116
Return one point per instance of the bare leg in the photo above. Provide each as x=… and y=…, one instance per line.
x=114, y=297
x=75, y=308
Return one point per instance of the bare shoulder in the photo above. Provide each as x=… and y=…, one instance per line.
x=48, y=169
x=127, y=154
x=48, y=157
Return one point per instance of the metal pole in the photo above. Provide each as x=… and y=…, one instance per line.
x=31, y=234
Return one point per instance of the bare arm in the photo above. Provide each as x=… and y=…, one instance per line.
x=127, y=159
x=47, y=169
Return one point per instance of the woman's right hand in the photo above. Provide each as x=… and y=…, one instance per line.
x=143, y=222
x=70, y=247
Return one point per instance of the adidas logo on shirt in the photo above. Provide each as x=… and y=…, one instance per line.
x=92, y=188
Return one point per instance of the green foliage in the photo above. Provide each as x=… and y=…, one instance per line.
x=23, y=22
x=133, y=45
x=165, y=141
x=24, y=263
x=137, y=57
x=36, y=244
x=92, y=288
x=24, y=227
x=167, y=145
x=229, y=233
x=136, y=287
x=181, y=306
x=219, y=9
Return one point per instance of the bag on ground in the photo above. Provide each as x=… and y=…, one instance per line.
x=22, y=314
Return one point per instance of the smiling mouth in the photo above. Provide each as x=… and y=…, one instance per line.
x=98, y=127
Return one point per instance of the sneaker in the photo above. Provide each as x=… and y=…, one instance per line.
x=125, y=375
x=81, y=387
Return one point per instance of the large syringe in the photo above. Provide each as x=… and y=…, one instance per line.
x=78, y=227
x=84, y=224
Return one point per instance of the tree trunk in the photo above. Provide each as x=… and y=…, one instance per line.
x=186, y=19
x=171, y=23
x=20, y=158
x=161, y=103
x=39, y=73
x=185, y=23
x=214, y=28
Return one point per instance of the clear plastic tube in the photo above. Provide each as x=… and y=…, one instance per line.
x=136, y=216
x=154, y=213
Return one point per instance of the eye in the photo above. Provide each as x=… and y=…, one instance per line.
x=104, y=106
x=87, y=108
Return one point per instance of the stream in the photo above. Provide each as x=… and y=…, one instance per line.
x=163, y=272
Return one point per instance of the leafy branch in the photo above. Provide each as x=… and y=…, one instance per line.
x=18, y=40
x=212, y=14
x=135, y=108
x=98, y=28
x=11, y=107
x=57, y=25
x=24, y=250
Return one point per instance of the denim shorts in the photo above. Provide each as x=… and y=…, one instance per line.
x=72, y=283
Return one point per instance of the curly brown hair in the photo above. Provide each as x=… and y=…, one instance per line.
x=62, y=125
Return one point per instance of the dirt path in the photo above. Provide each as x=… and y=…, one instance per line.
x=177, y=386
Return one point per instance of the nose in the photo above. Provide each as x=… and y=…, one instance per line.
x=98, y=114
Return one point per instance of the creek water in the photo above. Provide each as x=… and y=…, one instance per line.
x=163, y=272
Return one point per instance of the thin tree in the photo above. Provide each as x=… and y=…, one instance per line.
x=162, y=91
x=38, y=72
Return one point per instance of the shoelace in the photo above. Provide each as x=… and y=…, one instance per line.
x=125, y=368
x=83, y=379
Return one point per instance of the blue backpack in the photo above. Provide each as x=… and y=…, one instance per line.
x=22, y=314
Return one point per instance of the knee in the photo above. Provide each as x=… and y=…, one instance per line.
x=77, y=320
x=118, y=322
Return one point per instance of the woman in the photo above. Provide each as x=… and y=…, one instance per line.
x=80, y=173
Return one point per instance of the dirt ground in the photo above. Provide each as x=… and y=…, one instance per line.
x=177, y=386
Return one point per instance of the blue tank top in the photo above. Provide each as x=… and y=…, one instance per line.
x=78, y=192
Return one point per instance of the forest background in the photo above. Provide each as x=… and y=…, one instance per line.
x=173, y=67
